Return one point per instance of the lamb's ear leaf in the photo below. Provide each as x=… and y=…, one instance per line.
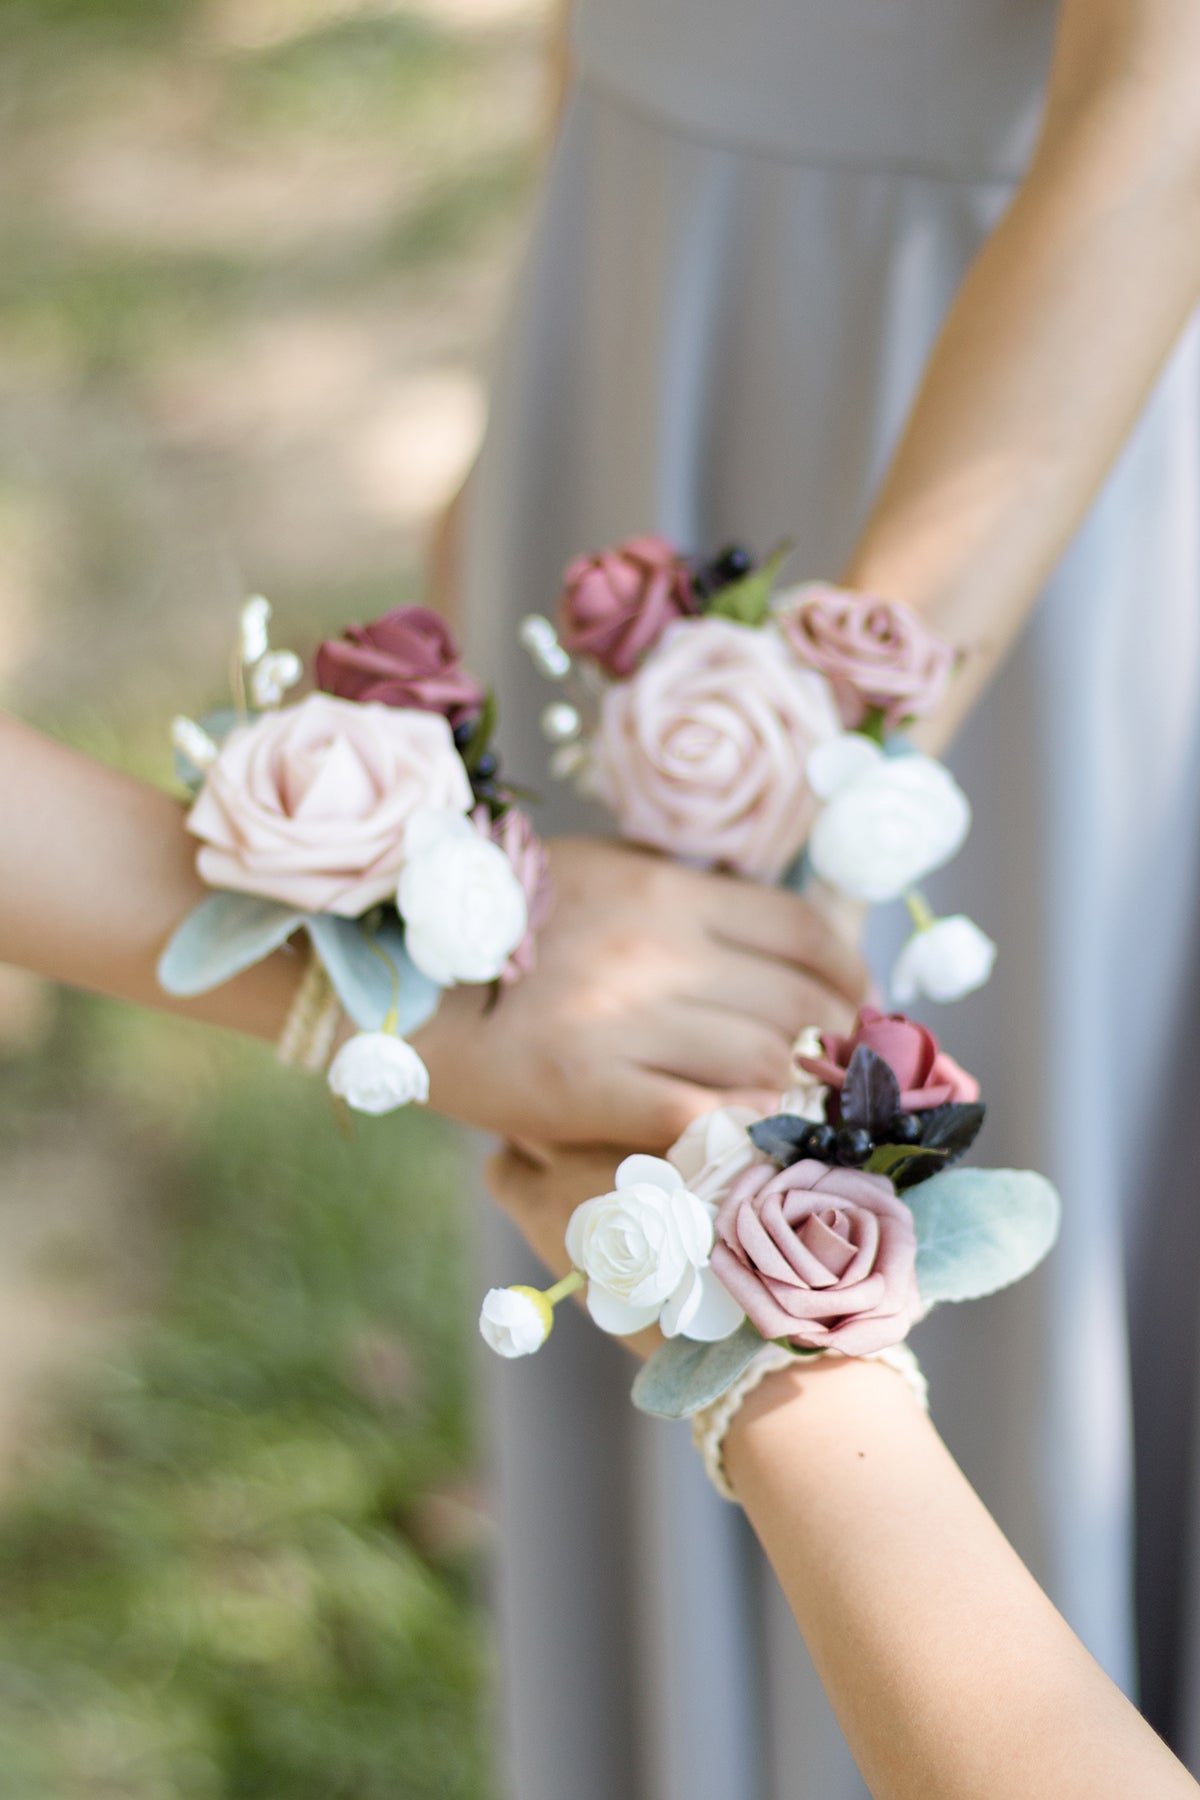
x=979, y=1230
x=225, y=934
x=371, y=971
x=684, y=1376
x=870, y=1096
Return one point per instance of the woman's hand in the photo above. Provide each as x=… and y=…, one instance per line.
x=659, y=993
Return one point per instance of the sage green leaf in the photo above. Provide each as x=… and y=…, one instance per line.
x=225, y=934
x=979, y=1230
x=372, y=972
x=683, y=1376
x=902, y=1161
x=748, y=601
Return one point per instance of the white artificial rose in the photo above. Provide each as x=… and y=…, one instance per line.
x=515, y=1321
x=887, y=826
x=377, y=1071
x=714, y=1151
x=947, y=960
x=464, y=909
x=644, y=1249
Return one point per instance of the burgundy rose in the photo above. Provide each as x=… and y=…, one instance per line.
x=514, y=833
x=927, y=1076
x=821, y=1256
x=408, y=658
x=874, y=653
x=616, y=605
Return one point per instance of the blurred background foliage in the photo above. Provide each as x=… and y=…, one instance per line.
x=252, y=253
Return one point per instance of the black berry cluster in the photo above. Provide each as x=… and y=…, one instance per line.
x=851, y=1146
x=485, y=776
x=728, y=566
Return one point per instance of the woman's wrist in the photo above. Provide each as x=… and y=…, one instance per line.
x=827, y=1404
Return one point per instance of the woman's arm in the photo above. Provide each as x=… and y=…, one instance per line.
x=952, y=1676
x=1055, y=339
x=658, y=989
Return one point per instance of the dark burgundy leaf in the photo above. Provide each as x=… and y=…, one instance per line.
x=870, y=1095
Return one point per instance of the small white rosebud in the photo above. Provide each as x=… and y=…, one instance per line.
x=515, y=1321
x=273, y=676
x=193, y=742
x=946, y=961
x=376, y=1071
x=254, y=618
x=560, y=723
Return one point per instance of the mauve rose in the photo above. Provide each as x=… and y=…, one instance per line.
x=408, y=659
x=309, y=805
x=702, y=752
x=927, y=1076
x=617, y=604
x=825, y=1258
x=525, y=851
x=875, y=653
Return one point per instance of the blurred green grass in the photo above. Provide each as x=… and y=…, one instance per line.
x=242, y=1557
x=217, y=1581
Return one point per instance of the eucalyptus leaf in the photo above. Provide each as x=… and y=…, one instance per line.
x=225, y=934
x=372, y=972
x=780, y=1136
x=979, y=1230
x=684, y=1376
x=870, y=1096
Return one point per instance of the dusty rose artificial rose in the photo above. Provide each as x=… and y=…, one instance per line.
x=824, y=1257
x=525, y=851
x=702, y=752
x=616, y=605
x=309, y=805
x=927, y=1076
x=408, y=658
x=875, y=653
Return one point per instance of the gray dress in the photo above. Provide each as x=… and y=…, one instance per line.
x=756, y=217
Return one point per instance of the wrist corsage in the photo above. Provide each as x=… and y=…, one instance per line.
x=739, y=727
x=372, y=817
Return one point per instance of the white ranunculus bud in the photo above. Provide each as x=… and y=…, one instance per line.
x=376, y=1071
x=464, y=909
x=515, y=1321
x=644, y=1249
x=947, y=960
x=886, y=828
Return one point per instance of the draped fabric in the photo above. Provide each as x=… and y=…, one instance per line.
x=754, y=222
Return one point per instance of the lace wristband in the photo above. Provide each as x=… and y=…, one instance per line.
x=711, y=1423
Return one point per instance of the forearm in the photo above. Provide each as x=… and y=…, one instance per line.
x=97, y=872
x=1052, y=346
x=951, y=1674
